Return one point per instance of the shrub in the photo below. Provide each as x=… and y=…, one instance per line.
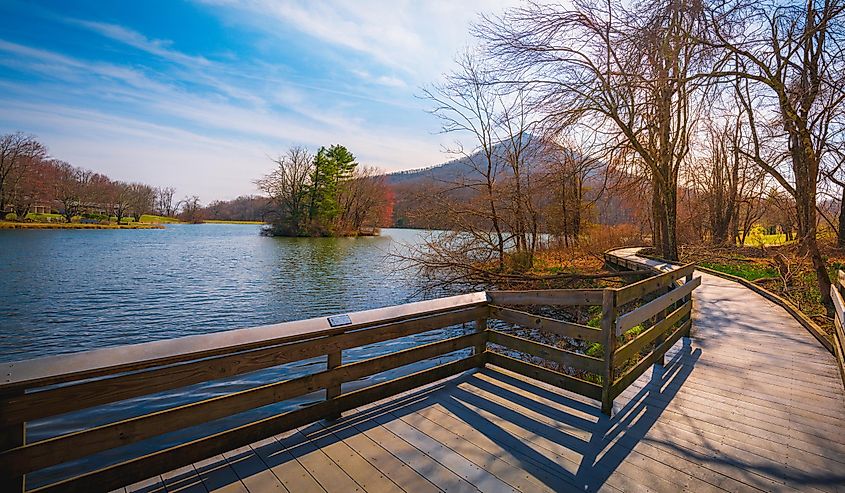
x=596, y=350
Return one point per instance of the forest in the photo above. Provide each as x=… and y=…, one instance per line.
x=37, y=187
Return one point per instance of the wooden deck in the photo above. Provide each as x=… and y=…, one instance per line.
x=751, y=402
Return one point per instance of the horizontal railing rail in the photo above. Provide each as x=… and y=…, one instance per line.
x=108, y=361
x=46, y=387
x=560, y=327
x=548, y=297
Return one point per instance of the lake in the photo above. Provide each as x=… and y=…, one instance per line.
x=72, y=290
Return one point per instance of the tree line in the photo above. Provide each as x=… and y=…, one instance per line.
x=718, y=112
x=324, y=194
x=31, y=179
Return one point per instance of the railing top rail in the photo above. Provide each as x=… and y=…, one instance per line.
x=99, y=362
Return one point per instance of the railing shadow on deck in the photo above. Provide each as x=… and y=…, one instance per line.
x=496, y=404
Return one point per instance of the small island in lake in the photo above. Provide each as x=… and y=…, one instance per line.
x=325, y=194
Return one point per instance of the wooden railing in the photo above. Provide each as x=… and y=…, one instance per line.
x=45, y=387
x=839, y=316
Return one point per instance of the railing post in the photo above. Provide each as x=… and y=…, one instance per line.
x=608, y=328
x=335, y=359
x=12, y=436
x=662, y=315
x=481, y=326
x=690, y=299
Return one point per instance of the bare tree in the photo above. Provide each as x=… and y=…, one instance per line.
x=69, y=189
x=165, y=204
x=288, y=187
x=18, y=152
x=121, y=196
x=364, y=201
x=30, y=184
x=467, y=104
x=571, y=167
x=191, y=210
x=142, y=199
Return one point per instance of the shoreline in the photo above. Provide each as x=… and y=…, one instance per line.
x=16, y=225
x=224, y=221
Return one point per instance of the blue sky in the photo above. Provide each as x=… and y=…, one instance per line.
x=198, y=94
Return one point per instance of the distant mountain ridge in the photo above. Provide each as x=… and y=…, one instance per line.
x=414, y=208
x=454, y=169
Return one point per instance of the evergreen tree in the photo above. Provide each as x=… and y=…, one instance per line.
x=332, y=167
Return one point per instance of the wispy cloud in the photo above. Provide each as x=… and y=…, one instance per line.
x=160, y=48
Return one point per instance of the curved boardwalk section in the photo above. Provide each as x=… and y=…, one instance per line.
x=750, y=403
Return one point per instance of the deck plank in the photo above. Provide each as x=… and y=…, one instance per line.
x=441, y=476
x=455, y=439
x=151, y=485
x=359, y=469
x=285, y=467
x=218, y=477
x=477, y=476
x=404, y=477
x=183, y=480
x=253, y=472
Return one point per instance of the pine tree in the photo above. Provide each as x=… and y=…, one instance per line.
x=332, y=167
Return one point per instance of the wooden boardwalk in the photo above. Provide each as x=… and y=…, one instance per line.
x=751, y=402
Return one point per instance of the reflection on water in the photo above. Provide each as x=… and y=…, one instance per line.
x=72, y=290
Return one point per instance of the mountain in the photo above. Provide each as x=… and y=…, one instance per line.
x=414, y=206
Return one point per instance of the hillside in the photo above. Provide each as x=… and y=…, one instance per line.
x=414, y=189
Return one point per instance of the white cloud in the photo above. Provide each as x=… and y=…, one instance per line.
x=389, y=81
x=160, y=48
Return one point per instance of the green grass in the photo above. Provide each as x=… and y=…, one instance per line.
x=36, y=217
x=57, y=225
x=596, y=350
x=149, y=218
x=218, y=221
x=748, y=271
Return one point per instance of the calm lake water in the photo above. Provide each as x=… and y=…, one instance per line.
x=72, y=290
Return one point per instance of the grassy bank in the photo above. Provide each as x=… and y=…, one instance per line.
x=216, y=221
x=151, y=219
x=748, y=270
x=16, y=225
